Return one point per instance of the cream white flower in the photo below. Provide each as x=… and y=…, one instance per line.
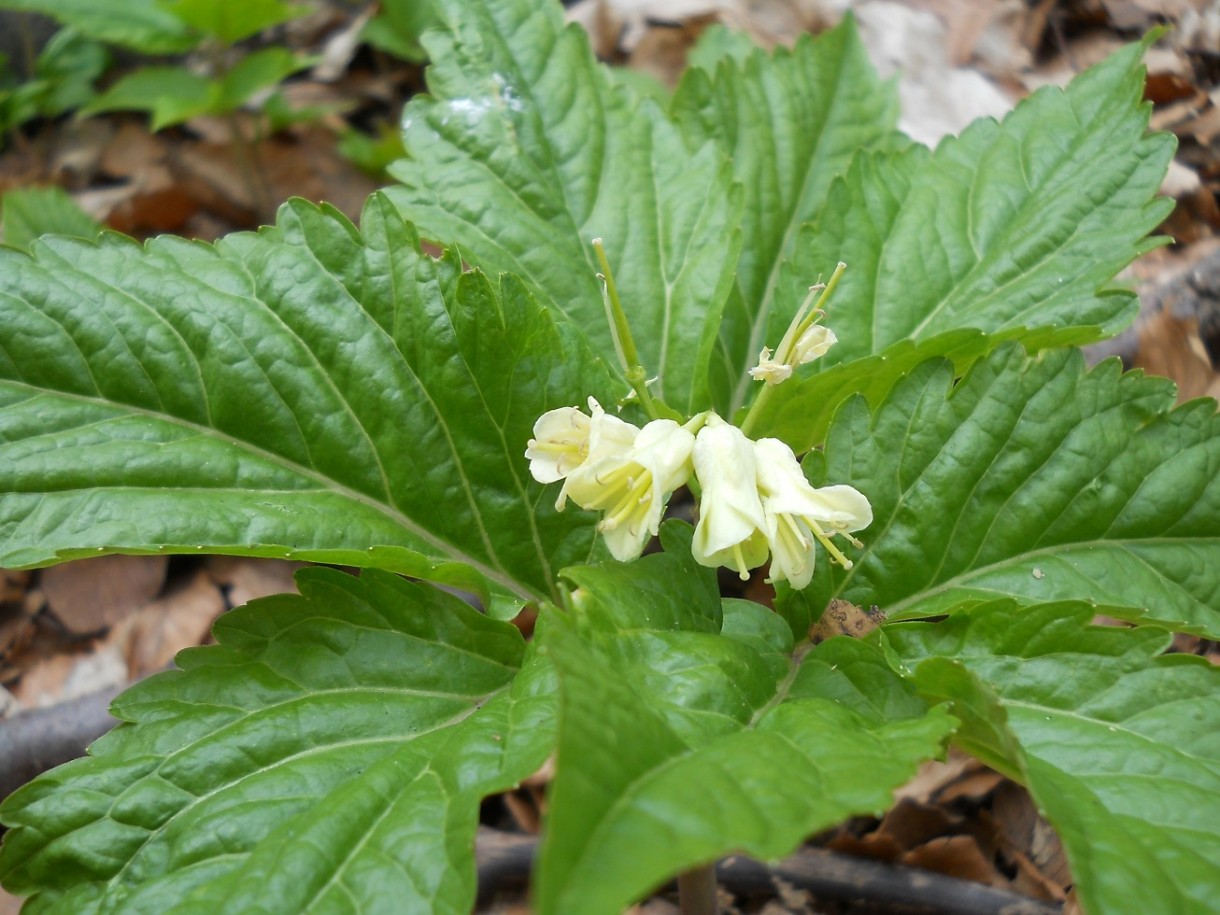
x=732, y=528
x=797, y=514
x=565, y=438
x=769, y=370
x=630, y=484
x=814, y=342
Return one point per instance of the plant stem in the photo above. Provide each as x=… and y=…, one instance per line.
x=805, y=316
x=624, y=343
x=697, y=891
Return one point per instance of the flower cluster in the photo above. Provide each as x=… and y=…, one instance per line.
x=755, y=501
x=613, y=466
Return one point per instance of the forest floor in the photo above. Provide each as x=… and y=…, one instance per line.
x=72, y=635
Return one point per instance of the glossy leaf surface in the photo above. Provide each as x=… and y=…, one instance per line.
x=1015, y=229
x=310, y=391
x=526, y=151
x=328, y=755
x=1118, y=745
x=687, y=732
x=1036, y=479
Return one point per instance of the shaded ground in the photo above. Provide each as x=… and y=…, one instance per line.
x=86, y=628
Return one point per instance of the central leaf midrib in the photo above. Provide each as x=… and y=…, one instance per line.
x=449, y=721
x=324, y=482
x=793, y=224
x=963, y=578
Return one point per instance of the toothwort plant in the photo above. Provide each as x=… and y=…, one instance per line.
x=510, y=418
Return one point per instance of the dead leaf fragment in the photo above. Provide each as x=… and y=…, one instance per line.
x=182, y=618
x=845, y=618
x=248, y=579
x=956, y=856
x=89, y=595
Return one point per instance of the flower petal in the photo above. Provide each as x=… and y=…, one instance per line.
x=559, y=445
x=731, y=528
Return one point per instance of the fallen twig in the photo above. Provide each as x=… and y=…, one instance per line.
x=505, y=861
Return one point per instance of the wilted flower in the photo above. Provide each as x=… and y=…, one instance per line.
x=814, y=342
x=731, y=529
x=769, y=370
x=631, y=484
x=804, y=340
x=796, y=514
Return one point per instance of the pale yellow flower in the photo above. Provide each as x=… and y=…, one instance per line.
x=814, y=342
x=797, y=514
x=731, y=529
x=768, y=370
x=565, y=438
x=631, y=484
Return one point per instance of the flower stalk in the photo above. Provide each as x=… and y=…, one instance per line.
x=804, y=341
x=624, y=342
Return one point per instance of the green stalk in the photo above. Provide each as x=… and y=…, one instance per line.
x=624, y=342
x=805, y=317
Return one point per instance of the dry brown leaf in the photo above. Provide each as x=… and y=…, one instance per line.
x=937, y=97
x=974, y=785
x=934, y=776
x=14, y=617
x=79, y=147
x=1029, y=838
x=182, y=618
x=89, y=595
x=247, y=579
x=132, y=152
x=988, y=32
x=68, y=675
x=956, y=856
x=909, y=824
x=845, y=618
x=1181, y=322
x=304, y=164
x=661, y=51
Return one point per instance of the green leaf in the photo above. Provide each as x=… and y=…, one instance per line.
x=63, y=79
x=717, y=43
x=803, y=419
x=170, y=94
x=670, y=592
x=1012, y=226
x=1034, y=479
x=232, y=20
x=397, y=29
x=329, y=754
x=1119, y=747
x=256, y=72
x=308, y=391
x=142, y=25
x=526, y=150
x=679, y=743
x=791, y=123
x=26, y=213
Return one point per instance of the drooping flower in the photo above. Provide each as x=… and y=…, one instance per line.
x=630, y=483
x=798, y=514
x=732, y=528
x=814, y=342
x=565, y=438
x=769, y=370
